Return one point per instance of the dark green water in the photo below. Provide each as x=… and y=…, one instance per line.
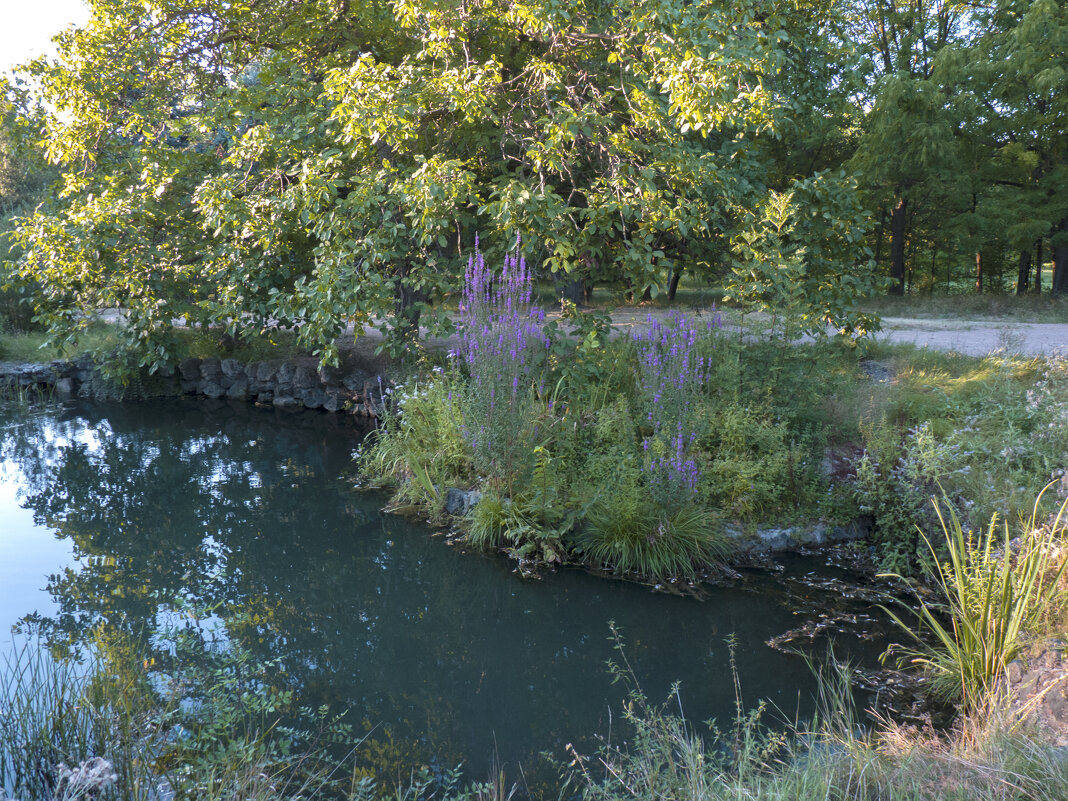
x=121, y=514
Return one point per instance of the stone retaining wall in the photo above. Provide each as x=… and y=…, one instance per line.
x=295, y=384
x=285, y=385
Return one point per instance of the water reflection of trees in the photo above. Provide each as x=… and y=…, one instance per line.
x=167, y=506
x=250, y=515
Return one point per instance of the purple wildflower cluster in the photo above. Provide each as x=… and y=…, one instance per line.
x=502, y=336
x=671, y=376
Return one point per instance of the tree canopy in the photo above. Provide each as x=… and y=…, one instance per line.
x=329, y=163
x=324, y=163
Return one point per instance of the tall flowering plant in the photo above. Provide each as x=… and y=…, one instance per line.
x=502, y=347
x=671, y=376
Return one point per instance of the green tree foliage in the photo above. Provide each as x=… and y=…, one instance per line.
x=961, y=148
x=325, y=163
x=25, y=179
x=906, y=152
x=1011, y=89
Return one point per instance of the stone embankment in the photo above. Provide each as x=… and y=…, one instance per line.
x=284, y=385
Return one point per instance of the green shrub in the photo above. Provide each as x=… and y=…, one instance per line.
x=894, y=483
x=420, y=446
x=753, y=469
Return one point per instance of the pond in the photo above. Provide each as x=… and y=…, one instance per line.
x=121, y=514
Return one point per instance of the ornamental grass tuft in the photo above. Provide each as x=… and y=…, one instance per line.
x=997, y=592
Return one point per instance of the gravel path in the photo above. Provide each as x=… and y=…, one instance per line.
x=979, y=337
x=970, y=337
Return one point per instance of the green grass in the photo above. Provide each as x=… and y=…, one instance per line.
x=1029, y=308
x=829, y=758
x=30, y=347
x=658, y=546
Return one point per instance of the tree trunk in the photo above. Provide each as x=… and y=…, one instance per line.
x=408, y=307
x=897, y=247
x=570, y=288
x=879, y=239
x=1059, y=285
x=1023, y=274
x=1038, y=266
x=673, y=285
x=979, y=272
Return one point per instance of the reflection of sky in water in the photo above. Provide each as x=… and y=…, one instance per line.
x=28, y=555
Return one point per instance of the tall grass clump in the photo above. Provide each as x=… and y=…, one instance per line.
x=61, y=721
x=997, y=592
x=503, y=349
x=420, y=445
x=829, y=757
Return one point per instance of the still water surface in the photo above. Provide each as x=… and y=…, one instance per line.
x=119, y=514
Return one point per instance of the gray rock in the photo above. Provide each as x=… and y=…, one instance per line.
x=65, y=388
x=62, y=368
x=212, y=389
x=329, y=376
x=460, y=502
x=312, y=398
x=333, y=402
x=284, y=376
x=287, y=402
x=357, y=381
x=815, y=535
x=265, y=371
x=211, y=369
x=238, y=390
x=775, y=539
x=232, y=368
x=305, y=378
x=191, y=387
x=877, y=372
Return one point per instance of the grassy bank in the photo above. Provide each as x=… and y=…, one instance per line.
x=636, y=453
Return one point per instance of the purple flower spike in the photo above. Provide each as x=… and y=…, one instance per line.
x=501, y=333
x=671, y=378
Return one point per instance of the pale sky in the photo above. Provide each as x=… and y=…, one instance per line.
x=27, y=27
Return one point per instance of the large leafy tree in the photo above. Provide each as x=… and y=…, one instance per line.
x=907, y=153
x=324, y=163
x=1013, y=82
